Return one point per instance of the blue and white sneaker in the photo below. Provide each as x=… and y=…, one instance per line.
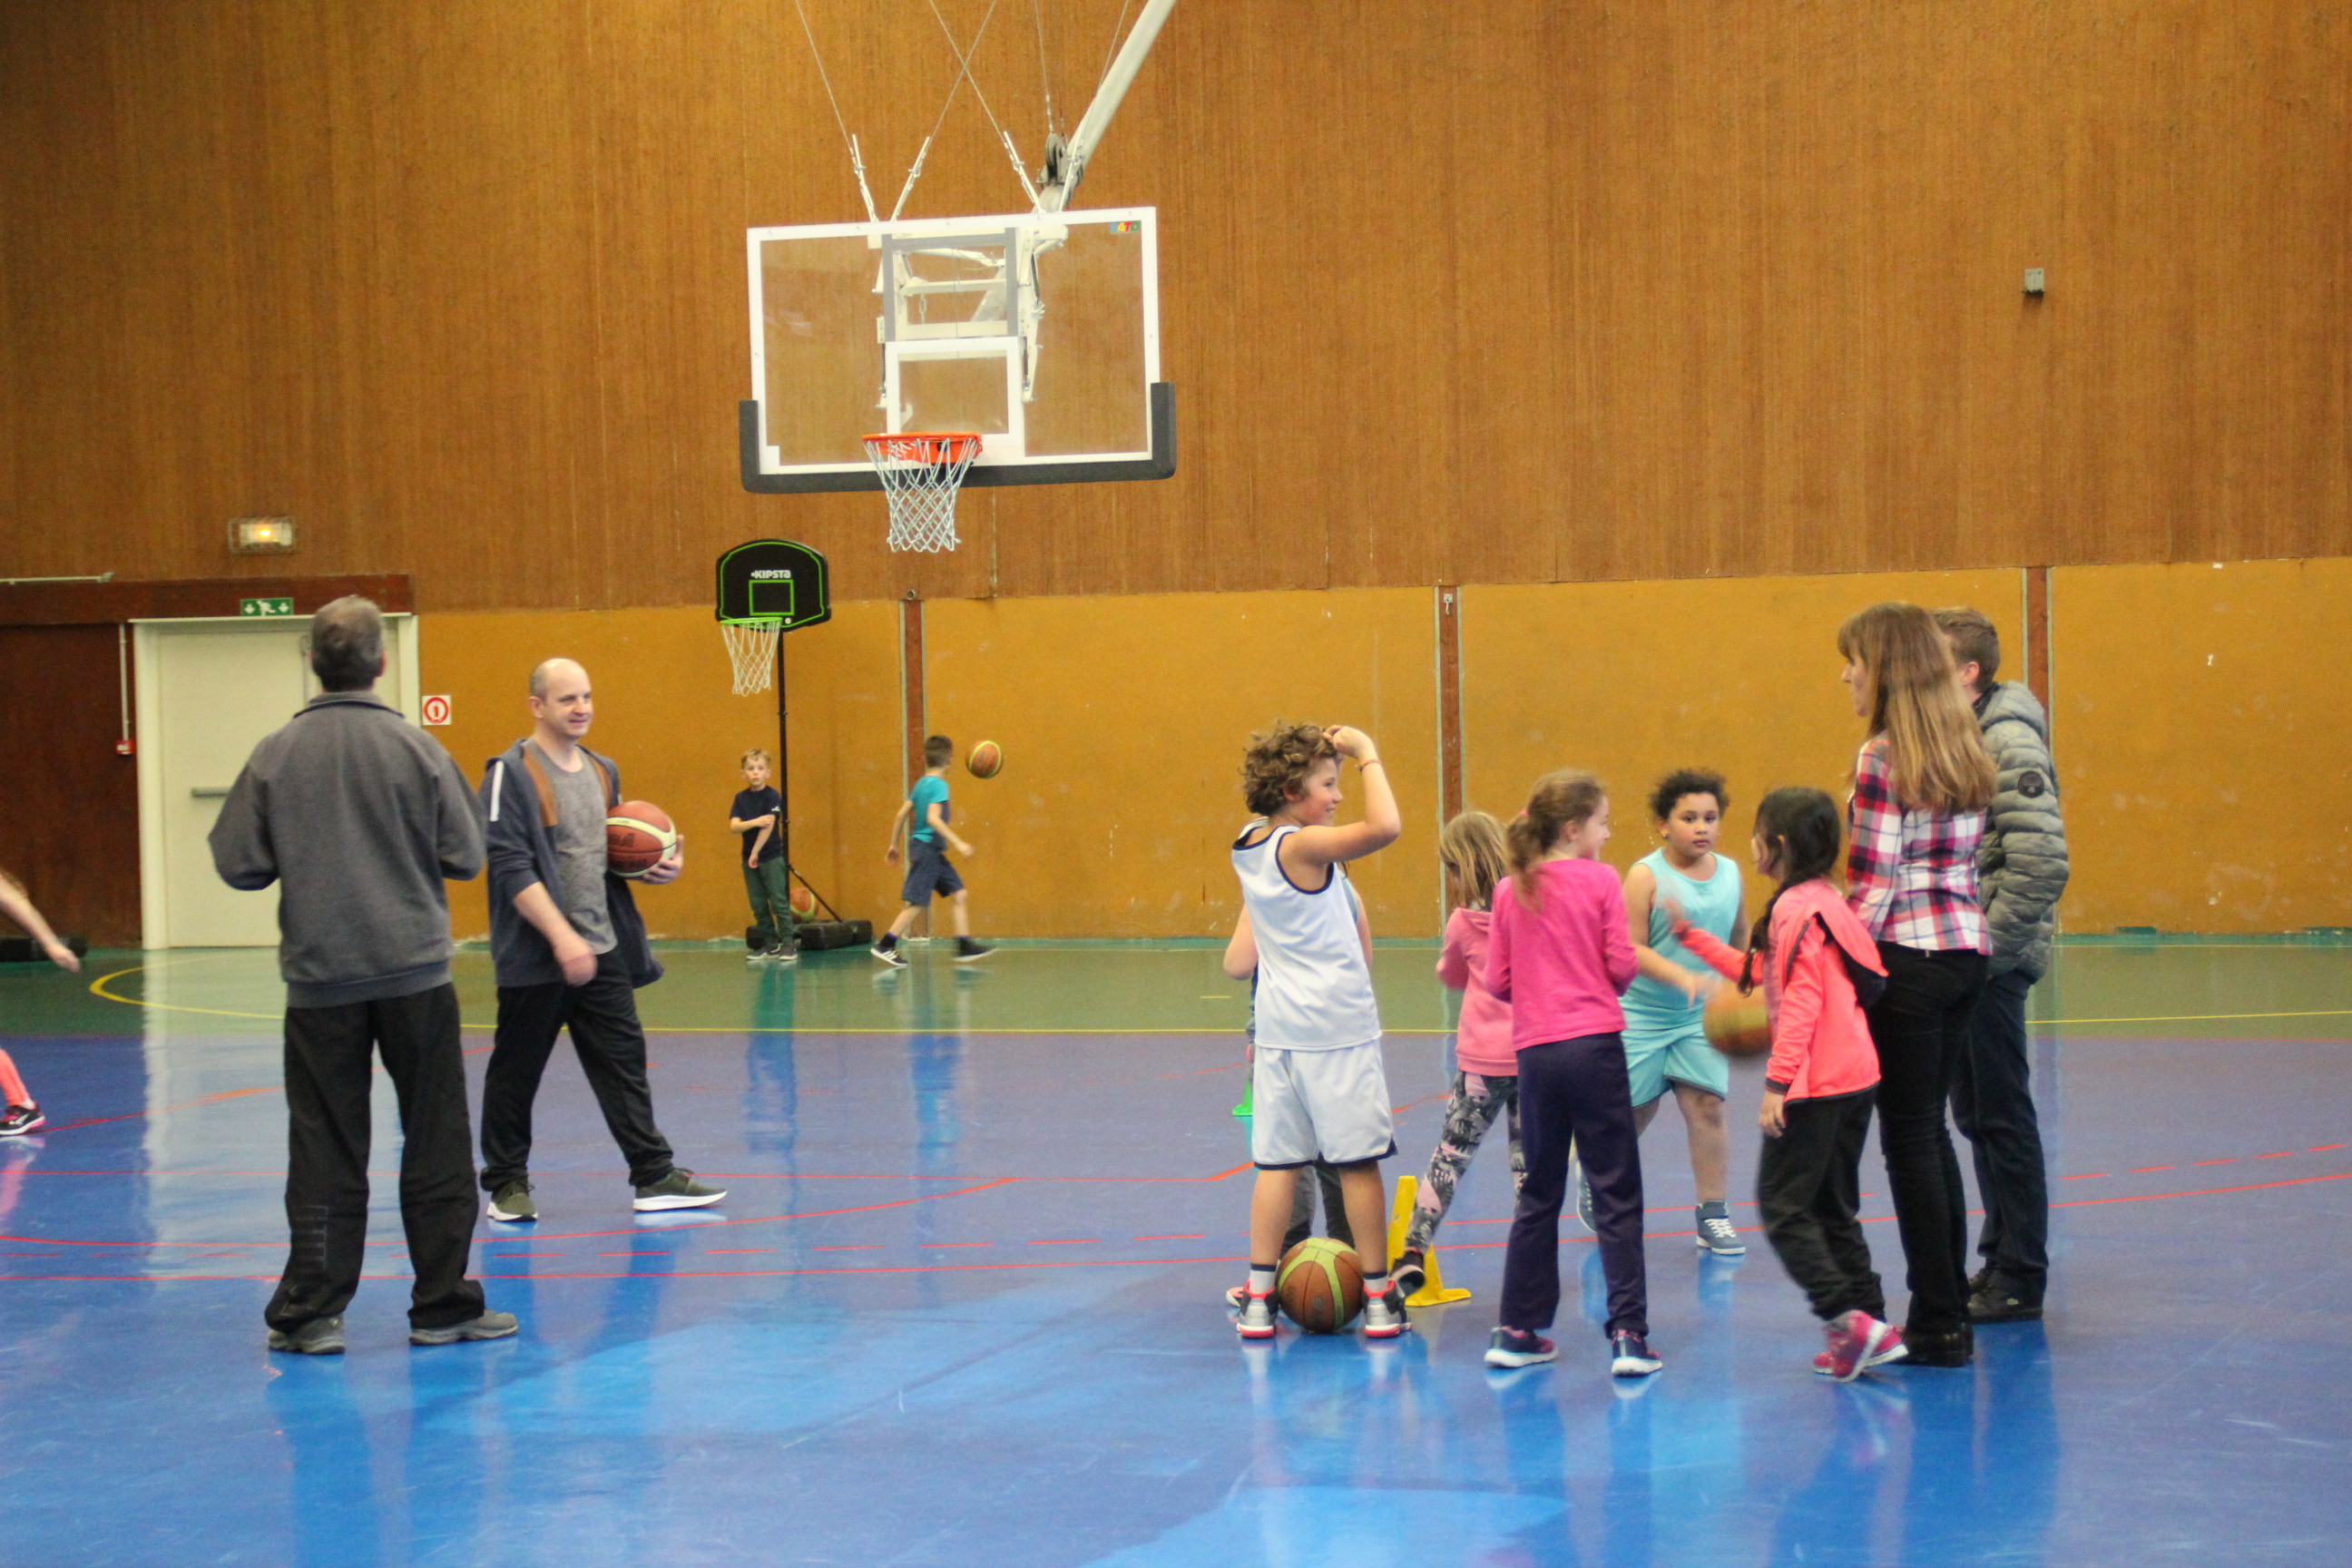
x=1518, y=1347
x=1630, y=1356
x=1717, y=1235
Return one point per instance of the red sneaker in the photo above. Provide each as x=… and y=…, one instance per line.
x=1856, y=1339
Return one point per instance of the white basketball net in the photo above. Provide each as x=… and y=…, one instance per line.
x=752, y=650
x=920, y=475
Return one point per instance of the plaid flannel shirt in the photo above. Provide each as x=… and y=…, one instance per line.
x=1911, y=876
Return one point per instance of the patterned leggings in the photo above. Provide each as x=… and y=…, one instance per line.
x=1478, y=1099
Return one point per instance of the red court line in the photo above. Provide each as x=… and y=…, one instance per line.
x=2230, y=1161
x=2086, y=1176
x=874, y=1247
x=722, y=1251
x=1198, y=1236
x=2322, y=1148
x=1077, y=1263
x=955, y=1244
x=1069, y=1241
x=2280, y=1155
x=2144, y=1170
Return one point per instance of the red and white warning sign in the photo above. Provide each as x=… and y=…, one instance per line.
x=436, y=709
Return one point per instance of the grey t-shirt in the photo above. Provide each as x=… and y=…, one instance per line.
x=580, y=813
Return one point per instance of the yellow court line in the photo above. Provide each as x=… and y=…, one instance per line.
x=97, y=988
x=2203, y=1018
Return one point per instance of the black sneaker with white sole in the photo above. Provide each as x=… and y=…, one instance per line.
x=968, y=950
x=511, y=1205
x=320, y=1336
x=488, y=1326
x=678, y=1190
x=888, y=954
x=21, y=1119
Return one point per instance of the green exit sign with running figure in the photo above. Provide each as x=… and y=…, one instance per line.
x=265, y=607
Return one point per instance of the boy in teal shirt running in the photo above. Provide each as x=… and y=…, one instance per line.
x=929, y=872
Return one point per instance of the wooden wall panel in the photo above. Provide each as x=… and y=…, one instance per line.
x=1500, y=291
x=73, y=799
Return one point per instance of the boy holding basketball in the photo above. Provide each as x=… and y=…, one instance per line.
x=1317, y=1088
x=758, y=814
x=929, y=873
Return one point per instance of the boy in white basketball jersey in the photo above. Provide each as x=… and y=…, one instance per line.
x=1317, y=1085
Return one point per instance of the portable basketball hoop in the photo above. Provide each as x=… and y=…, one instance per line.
x=767, y=588
x=920, y=475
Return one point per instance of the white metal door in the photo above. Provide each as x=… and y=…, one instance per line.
x=208, y=692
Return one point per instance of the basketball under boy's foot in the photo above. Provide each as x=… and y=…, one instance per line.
x=488, y=1326
x=1410, y=1273
x=320, y=1336
x=1716, y=1235
x=1518, y=1347
x=1630, y=1356
x=511, y=1205
x=1856, y=1339
x=1583, y=1195
x=1384, y=1316
x=678, y=1190
x=967, y=950
x=21, y=1119
x=1256, y=1321
x=1999, y=1301
x=889, y=954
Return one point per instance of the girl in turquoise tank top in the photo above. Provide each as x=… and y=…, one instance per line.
x=1666, y=1045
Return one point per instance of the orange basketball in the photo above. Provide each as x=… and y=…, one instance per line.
x=986, y=759
x=1738, y=1024
x=1320, y=1285
x=636, y=835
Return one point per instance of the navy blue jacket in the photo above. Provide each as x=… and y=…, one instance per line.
x=522, y=851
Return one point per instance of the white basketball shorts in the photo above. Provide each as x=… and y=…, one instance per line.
x=1333, y=1104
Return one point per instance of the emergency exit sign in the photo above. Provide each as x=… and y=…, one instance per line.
x=265, y=607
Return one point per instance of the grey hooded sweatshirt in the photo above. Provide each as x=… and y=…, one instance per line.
x=360, y=814
x=2022, y=864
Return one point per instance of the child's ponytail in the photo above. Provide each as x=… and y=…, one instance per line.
x=1561, y=801
x=1801, y=832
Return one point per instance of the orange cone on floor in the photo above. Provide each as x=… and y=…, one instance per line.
x=1434, y=1291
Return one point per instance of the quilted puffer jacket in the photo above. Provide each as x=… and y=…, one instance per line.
x=2022, y=864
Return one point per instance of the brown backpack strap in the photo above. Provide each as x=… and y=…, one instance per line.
x=612, y=784
x=539, y=781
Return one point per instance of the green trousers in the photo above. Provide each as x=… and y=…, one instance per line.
x=770, y=886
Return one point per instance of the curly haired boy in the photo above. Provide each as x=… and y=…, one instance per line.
x=1317, y=1085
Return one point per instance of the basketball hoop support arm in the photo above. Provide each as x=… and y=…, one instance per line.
x=1061, y=174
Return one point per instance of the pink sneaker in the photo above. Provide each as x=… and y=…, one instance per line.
x=1856, y=1341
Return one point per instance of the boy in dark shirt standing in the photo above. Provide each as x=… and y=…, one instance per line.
x=758, y=816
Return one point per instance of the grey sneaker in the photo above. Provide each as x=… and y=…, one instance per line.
x=678, y=1190
x=320, y=1336
x=511, y=1205
x=488, y=1326
x=1716, y=1235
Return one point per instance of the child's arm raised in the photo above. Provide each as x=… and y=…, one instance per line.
x=1640, y=889
x=1240, y=953
x=1718, y=956
x=1311, y=848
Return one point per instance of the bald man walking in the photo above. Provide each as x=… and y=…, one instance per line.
x=570, y=951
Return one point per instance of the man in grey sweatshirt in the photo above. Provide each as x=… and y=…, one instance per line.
x=2021, y=870
x=359, y=817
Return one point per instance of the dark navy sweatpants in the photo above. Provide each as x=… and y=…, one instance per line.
x=1576, y=1090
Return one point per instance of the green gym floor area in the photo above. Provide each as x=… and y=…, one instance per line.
x=2176, y=987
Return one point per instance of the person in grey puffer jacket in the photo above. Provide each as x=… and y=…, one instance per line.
x=2021, y=870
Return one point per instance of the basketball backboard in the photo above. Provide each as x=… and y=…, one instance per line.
x=773, y=580
x=1038, y=330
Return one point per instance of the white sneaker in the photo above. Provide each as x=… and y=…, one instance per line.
x=1384, y=1316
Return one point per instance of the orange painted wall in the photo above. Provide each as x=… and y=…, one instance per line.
x=1123, y=722
x=665, y=713
x=1635, y=680
x=2199, y=716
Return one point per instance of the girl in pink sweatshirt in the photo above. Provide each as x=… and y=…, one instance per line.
x=1487, y=1069
x=1819, y=968
x=1559, y=955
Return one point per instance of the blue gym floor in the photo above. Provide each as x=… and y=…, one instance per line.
x=963, y=1304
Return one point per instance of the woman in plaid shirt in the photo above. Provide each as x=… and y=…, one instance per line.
x=1920, y=789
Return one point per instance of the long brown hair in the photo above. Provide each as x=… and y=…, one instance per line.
x=1561, y=801
x=1935, y=752
x=1471, y=847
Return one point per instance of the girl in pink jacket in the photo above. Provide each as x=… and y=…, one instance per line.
x=1487, y=1069
x=1820, y=969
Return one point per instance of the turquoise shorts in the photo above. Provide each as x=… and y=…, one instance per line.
x=1653, y=1060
